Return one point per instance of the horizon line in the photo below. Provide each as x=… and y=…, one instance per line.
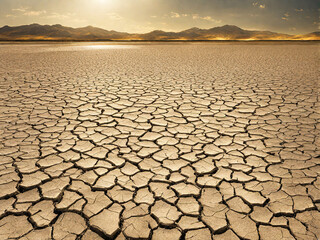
x=168, y=31
x=90, y=33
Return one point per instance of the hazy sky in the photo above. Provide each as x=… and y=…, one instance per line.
x=287, y=16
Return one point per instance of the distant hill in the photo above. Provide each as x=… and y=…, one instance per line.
x=310, y=36
x=57, y=32
x=89, y=33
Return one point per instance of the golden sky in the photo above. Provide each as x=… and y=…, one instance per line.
x=137, y=16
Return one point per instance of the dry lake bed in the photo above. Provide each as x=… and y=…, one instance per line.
x=160, y=141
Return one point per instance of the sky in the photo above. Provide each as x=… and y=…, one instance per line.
x=140, y=16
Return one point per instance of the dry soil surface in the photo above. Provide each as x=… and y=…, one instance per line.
x=159, y=141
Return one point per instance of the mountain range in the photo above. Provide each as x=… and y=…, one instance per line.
x=61, y=33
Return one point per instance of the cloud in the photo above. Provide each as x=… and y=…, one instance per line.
x=175, y=15
x=21, y=9
x=194, y=16
x=178, y=15
x=34, y=13
x=285, y=17
x=10, y=16
x=261, y=6
x=207, y=18
x=114, y=16
x=55, y=15
x=25, y=11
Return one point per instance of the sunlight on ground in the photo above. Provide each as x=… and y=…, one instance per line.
x=96, y=47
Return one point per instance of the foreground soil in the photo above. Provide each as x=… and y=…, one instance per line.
x=159, y=141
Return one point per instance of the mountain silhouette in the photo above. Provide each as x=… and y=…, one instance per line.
x=90, y=33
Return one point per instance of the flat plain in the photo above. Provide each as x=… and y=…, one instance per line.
x=160, y=141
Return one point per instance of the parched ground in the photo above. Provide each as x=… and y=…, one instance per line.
x=159, y=141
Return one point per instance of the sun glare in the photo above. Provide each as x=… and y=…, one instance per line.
x=101, y=46
x=102, y=1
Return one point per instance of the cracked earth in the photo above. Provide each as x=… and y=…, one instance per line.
x=159, y=141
